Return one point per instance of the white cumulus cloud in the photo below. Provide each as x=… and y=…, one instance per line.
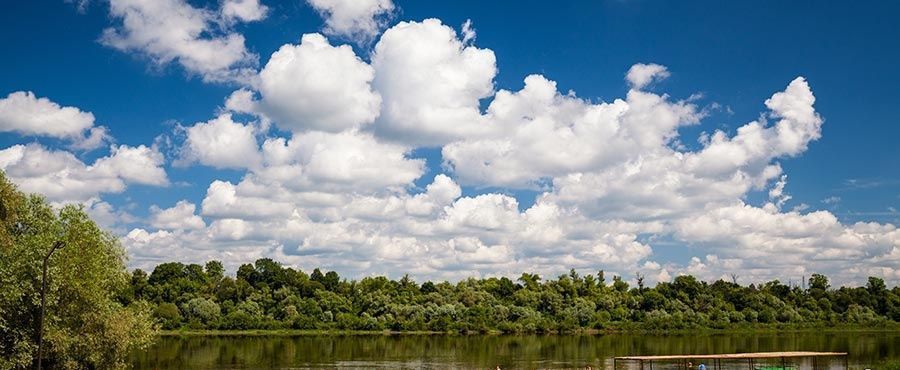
x=168, y=31
x=221, y=143
x=641, y=75
x=180, y=216
x=244, y=10
x=62, y=177
x=430, y=83
x=24, y=113
x=317, y=86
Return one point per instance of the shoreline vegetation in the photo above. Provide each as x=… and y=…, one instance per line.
x=267, y=296
x=93, y=301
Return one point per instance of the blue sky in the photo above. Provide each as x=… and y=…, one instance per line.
x=722, y=59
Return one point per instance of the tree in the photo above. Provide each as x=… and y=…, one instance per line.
x=215, y=271
x=139, y=283
x=878, y=292
x=876, y=286
x=86, y=278
x=331, y=280
x=247, y=273
x=531, y=281
x=819, y=282
x=619, y=284
x=203, y=310
x=169, y=315
x=687, y=284
x=317, y=276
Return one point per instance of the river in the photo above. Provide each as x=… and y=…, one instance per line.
x=866, y=350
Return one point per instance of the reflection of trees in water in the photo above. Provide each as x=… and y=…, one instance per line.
x=488, y=351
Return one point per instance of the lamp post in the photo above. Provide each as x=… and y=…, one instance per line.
x=40, y=338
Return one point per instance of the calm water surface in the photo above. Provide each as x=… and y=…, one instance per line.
x=866, y=349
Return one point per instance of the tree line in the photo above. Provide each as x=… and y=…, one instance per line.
x=268, y=295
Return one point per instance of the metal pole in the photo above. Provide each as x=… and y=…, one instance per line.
x=40, y=333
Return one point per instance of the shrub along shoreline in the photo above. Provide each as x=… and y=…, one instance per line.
x=269, y=297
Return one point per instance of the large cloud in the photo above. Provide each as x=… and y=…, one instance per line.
x=62, y=177
x=174, y=31
x=24, y=113
x=539, y=133
x=430, y=83
x=317, y=86
x=751, y=238
x=659, y=181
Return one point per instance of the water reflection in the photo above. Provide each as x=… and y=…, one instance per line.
x=507, y=351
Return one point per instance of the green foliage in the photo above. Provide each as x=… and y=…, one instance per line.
x=267, y=295
x=202, y=311
x=169, y=315
x=87, y=291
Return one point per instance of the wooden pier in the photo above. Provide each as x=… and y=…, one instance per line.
x=716, y=359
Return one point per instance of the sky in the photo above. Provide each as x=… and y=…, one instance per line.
x=447, y=140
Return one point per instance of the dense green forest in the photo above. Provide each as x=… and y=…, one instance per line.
x=267, y=295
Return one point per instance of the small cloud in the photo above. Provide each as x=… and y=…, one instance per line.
x=468, y=32
x=858, y=184
x=777, y=193
x=641, y=75
x=832, y=200
x=80, y=5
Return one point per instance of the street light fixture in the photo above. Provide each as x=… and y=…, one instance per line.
x=40, y=339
